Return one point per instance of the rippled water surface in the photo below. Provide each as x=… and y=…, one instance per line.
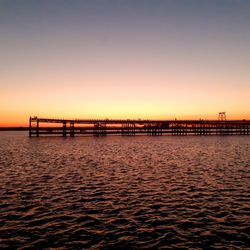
x=124, y=192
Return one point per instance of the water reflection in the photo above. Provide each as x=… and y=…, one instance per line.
x=124, y=192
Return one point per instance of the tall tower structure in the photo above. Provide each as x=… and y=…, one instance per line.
x=222, y=116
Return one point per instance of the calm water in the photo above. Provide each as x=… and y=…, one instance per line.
x=124, y=192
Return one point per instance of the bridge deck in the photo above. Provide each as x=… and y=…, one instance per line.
x=43, y=126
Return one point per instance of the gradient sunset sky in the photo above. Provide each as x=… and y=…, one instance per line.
x=124, y=59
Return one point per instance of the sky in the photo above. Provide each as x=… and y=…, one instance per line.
x=154, y=59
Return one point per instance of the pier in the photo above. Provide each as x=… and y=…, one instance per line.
x=102, y=127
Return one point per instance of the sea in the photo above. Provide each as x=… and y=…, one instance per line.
x=124, y=192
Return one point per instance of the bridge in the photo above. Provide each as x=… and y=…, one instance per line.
x=102, y=127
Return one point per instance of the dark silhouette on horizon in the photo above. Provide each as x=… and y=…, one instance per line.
x=102, y=127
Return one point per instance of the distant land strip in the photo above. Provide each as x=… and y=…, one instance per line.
x=14, y=128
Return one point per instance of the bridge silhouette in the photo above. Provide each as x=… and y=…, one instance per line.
x=102, y=127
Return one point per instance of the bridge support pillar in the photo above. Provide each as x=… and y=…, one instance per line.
x=100, y=129
x=64, y=130
x=72, y=129
x=37, y=127
x=30, y=127
x=128, y=128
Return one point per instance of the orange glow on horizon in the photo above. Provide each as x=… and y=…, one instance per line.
x=114, y=98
